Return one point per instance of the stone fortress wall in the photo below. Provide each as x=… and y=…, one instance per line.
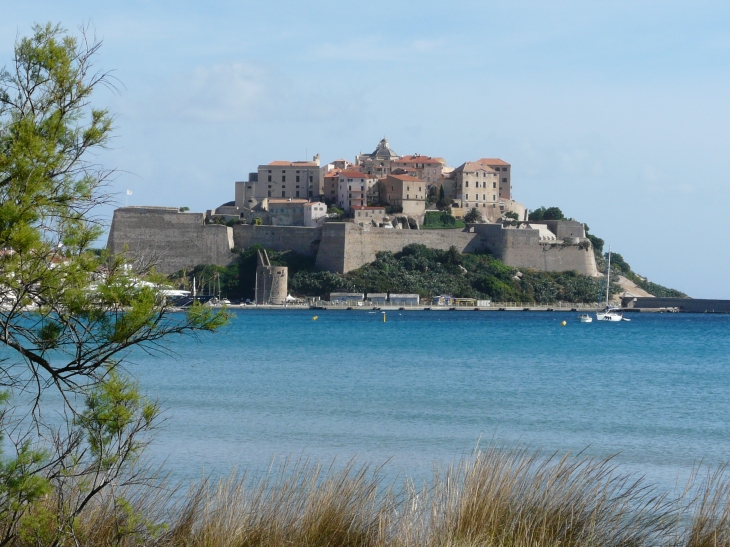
x=171, y=239
x=182, y=240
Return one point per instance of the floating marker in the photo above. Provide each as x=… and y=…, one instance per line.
x=564, y=323
x=315, y=317
x=383, y=317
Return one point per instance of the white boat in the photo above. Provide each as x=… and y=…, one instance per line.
x=611, y=313
x=585, y=318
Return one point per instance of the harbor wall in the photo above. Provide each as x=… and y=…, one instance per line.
x=693, y=305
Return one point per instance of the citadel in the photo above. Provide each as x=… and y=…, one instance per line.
x=385, y=198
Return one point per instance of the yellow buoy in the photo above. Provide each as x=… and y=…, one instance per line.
x=564, y=323
x=315, y=317
x=383, y=317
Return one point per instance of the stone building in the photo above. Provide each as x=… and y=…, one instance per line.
x=503, y=169
x=352, y=188
x=379, y=163
x=408, y=192
x=368, y=216
x=477, y=187
x=281, y=179
x=271, y=281
x=426, y=168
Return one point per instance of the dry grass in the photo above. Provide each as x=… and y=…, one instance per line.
x=496, y=498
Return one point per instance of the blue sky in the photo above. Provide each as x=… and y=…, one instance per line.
x=615, y=111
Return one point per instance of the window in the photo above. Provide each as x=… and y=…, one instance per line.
x=283, y=170
x=297, y=172
x=283, y=194
x=494, y=197
x=467, y=197
x=297, y=193
x=466, y=184
x=269, y=185
x=362, y=188
x=297, y=186
x=283, y=185
x=283, y=178
x=408, y=197
x=504, y=179
x=484, y=197
x=249, y=187
x=419, y=188
x=269, y=170
x=311, y=178
x=297, y=177
x=269, y=177
x=332, y=192
x=494, y=185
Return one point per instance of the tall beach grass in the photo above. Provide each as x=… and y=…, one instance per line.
x=497, y=498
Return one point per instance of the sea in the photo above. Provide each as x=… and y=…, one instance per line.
x=423, y=389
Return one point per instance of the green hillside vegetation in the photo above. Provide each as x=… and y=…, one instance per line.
x=427, y=272
x=439, y=220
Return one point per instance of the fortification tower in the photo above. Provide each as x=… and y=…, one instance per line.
x=271, y=281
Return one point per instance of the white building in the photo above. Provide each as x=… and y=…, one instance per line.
x=352, y=188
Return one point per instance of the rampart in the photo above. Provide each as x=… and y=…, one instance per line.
x=278, y=238
x=170, y=239
x=181, y=240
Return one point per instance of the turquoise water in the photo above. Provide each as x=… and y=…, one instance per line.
x=425, y=387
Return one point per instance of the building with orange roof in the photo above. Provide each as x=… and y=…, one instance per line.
x=504, y=169
x=426, y=168
x=353, y=187
x=280, y=179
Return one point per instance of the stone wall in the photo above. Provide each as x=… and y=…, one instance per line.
x=522, y=248
x=181, y=240
x=302, y=240
x=169, y=238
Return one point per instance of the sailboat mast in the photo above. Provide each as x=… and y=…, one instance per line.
x=608, y=276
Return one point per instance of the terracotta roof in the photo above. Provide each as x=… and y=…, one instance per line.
x=365, y=208
x=352, y=173
x=492, y=161
x=312, y=203
x=405, y=177
x=334, y=173
x=294, y=163
x=471, y=166
x=418, y=159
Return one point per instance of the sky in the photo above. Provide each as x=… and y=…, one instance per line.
x=615, y=111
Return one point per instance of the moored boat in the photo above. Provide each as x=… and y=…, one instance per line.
x=585, y=318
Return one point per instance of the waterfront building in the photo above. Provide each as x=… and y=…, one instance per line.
x=378, y=298
x=347, y=297
x=404, y=299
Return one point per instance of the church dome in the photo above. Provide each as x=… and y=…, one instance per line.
x=384, y=152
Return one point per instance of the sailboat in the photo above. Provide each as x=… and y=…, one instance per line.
x=611, y=313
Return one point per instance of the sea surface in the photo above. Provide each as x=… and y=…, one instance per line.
x=425, y=388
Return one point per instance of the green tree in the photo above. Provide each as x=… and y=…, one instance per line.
x=69, y=314
x=551, y=213
x=473, y=216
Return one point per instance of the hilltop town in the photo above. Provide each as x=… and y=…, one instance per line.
x=343, y=213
